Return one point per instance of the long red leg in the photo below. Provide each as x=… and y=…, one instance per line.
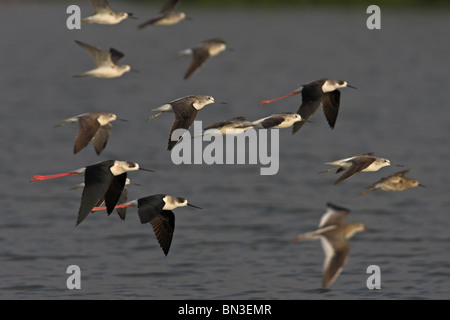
x=272, y=100
x=51, y=176
x=116, y=207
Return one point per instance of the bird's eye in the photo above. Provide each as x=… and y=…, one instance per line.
x=131, y=164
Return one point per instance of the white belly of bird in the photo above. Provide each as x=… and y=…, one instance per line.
x=170, y=19
x=374, y=166
x=103, y=19
x=106, y=72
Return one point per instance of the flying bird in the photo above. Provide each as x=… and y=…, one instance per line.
x=201, y=52
x=231, y=126
x=104, y=180
x=333, y=232
x=185, y=110
x=103, y=14
x=167, y=16
x=277, y=121
x=323, y=92
x=94, y=126
x=157, y=210
x=123, y=198
x=394, y=182
x=106, y=62
x=366, y=162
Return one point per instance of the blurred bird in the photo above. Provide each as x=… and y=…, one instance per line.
x=394, y=182
x=201, y=52
x=106, y=63
x=167, y=16
x=333, y=232
x=103, y=14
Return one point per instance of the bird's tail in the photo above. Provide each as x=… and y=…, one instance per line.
x=306, y=236
x=185, y=52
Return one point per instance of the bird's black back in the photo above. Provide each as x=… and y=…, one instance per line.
x=149, y=207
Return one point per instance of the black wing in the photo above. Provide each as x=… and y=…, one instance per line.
x=123, y=198
x=306, y=110
x=114, y=191
x=97, y=179
x=115, y=55
x=163, y=227
x=272, y=121
x=150, y=207
x=330, y=106
x=224, y=123
x=311, y=100
x=356, y=167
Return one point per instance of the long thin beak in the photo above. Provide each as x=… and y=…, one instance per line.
x=421, y=185
x=351, y=86
x=220, y=102
x=134, y=70
x=132, y=16
x=191, y=205
x=397, y=165
x=146, y=170
x=125, y=120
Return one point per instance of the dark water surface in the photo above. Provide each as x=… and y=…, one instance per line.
x=239, y=246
